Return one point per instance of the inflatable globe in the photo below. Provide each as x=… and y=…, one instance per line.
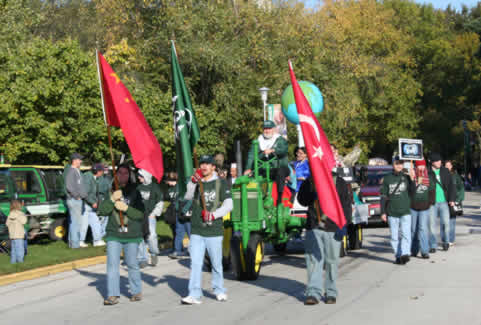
x=313, y=95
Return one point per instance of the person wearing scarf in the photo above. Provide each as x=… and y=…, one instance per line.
x=421, y=200
x=271, y=144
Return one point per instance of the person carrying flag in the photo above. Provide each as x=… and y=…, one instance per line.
x=323, y=242
x=207, y=228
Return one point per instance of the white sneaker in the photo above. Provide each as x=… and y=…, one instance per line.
x=82, y=244
x=99, y=243
x=189, y=300
x=221, y=297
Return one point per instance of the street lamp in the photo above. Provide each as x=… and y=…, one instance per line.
x=264, y=91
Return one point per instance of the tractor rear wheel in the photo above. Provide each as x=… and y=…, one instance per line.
x=355, y=236
x=255, y=255
x=280, y=248
x=343, y=251
x=237, y=258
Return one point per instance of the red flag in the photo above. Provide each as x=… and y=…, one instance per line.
x=321, y=158
x=120, y=110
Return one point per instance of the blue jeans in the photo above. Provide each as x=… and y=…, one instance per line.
x=439, y=210
x=93, y=221
x=113, y=265
x=197, y=247
x=452, y=229
x=18, y=251
x=152, y=242
x=76, y=222
x=400, y=228
x=322, y=249
x=419, y=231
x=103, y=220
x=180, y=230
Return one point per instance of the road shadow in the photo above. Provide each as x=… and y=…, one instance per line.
x=289, y=287
x=100, y=281
x=289, y=260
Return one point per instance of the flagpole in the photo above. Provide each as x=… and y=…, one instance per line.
x=201, y=186
x=116, y=181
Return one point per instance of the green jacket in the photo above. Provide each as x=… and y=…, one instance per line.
x=104, y=184
x=423, y=196
x=217, y=227
x=280, y=151
x=399, y=202
x=458, y=182
x=91, y=187
x=133, y=217
x=152, y=198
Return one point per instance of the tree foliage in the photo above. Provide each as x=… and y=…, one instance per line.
x=387, y=69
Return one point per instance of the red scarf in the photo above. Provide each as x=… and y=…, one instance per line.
x=424, y=175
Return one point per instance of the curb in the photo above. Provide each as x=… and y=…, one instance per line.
x=50, y=270
x=59, y=268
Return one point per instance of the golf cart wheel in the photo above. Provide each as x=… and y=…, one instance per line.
x=58, y=229
x=255, y=255
x=355, y=237
x=237, y=258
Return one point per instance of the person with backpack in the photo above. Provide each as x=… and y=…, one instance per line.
x=396, y=190
x=207, y=228
x=445, y=197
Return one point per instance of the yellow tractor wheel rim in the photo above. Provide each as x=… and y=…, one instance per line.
x=59, y=231
x=259, y=256
x=360, y=234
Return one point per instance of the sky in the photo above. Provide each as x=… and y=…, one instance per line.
x=440, y=4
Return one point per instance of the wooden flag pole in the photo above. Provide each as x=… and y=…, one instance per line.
x=116, y=181
x=201, y=186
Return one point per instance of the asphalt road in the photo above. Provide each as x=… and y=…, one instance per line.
x=445, y=289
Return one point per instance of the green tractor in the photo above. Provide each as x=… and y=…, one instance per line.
x=255, y=220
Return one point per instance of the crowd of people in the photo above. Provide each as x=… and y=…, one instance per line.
x=123, y=214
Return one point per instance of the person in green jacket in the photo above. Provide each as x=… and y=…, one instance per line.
x=90, y=206
x=127, y=201
x=271, y=145
x=104, y=184
x=207, y=228
x=421, y=200
x=153, y=200
x=395, y=208
x=458, y=182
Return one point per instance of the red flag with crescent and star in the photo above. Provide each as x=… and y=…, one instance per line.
x=120, y=110
x=321, y=158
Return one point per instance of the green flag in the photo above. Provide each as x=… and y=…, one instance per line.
x=185, y=124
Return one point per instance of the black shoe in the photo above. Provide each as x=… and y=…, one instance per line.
x=425, y=256
x=310, y=300
x=432, y=250
x=405, y=259
x=397, y=261
x=445, y=246
x=414, y=255
x=330, y=300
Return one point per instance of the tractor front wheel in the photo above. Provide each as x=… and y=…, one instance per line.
x=254, y=256
x=237, y=259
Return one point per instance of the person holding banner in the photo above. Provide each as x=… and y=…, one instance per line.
x=126, y=204
x=421, y=201
x=323, y=242
x=207, y=228
x=395, y=208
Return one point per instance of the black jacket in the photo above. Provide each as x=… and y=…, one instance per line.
x=449, y=187
x=307, y=196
